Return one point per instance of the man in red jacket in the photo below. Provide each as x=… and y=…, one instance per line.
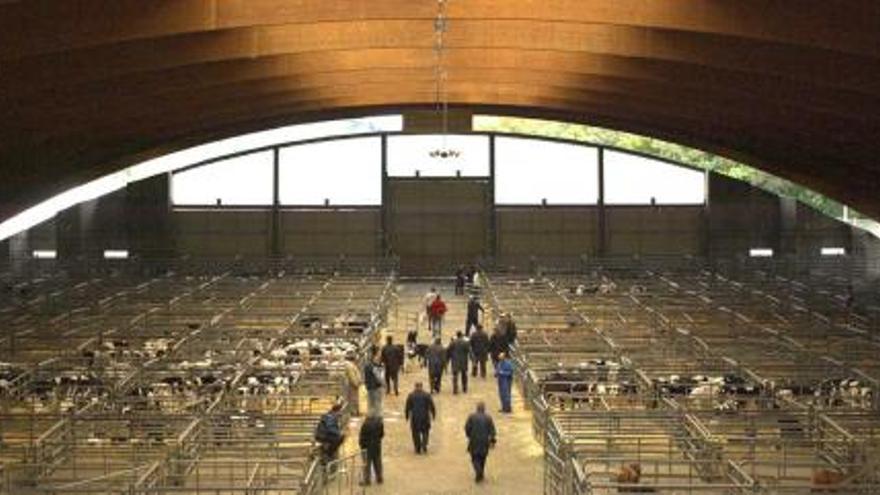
x=438, y=309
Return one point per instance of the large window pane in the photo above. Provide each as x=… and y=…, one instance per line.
x=407, y=154
x=245, y=180
x=634, y=179
x=346, y=171
x=528, y=171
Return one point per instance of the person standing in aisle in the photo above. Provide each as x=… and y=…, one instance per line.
x=438, y=309
x=374, y=375
x=508, y=330
x=497, y=346
x=480, y=432
x=370, y=442
x=392, y=359
x=353, y=380
x=474, y=308
x=479, y=351
x=436, y=358
x=459, y=354
x=419, y=411
x=504, y=374
x=328, y=434
x=460, y=280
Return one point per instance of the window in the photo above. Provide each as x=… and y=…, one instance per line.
x=529, y=171
x=833, y=251
x=409, y=154
x=345, y=172
x=44, y=254
x=177, y=160
x=636, y=180
x=761, y=252
x=245, y=180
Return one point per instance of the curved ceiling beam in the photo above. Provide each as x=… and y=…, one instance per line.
x=851, y=72
x=563, y=67
x=31, y=28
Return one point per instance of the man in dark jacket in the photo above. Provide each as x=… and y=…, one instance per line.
x=473, y=314
x=460, y=280
x=370, y=441
x=480, y=431
x=436, y=358
x=497, y=346
x=419, y=411
x=508, y=329
x=392, y=359
x=459, y=354
x=373, y=377
x=329, y=434
x=479, y=351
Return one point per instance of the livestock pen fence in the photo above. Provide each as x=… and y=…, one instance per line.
x=179, y=383
x=699, y=381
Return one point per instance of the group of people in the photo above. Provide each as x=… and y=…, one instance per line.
x=468, y=278
x=466, y=354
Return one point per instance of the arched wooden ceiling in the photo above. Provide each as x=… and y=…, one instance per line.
x=791, y=86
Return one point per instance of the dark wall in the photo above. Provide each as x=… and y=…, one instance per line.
x=314, y=233
x=741, y=217
x=437, y=224
x=545, y=232
x=445, y=221
x=654, y=230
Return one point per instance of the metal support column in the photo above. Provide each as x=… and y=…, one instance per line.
x=276, y=205
x=385, y=208
x=602, y=234
x=492, y=234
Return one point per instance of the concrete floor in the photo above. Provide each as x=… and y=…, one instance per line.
x=515, y=466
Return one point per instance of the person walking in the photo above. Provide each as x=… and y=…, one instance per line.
x=438, y=309
x=436, y=358
x=480, y=432
x=427, y=301
x=504, y=374
x=328, y=434
x=459, y=353
x=474, y=308
x=374, y=375
x=419, y=411
x=370, y=442
x=392, y=360
x=479, y=351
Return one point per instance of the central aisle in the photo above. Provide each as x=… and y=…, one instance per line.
x=515, y=466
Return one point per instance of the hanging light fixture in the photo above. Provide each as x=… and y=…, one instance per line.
x=441, y=95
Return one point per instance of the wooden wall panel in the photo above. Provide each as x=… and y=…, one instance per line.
x=437, y=224
x=647, y=230
x=317, y=233
x=545, y=233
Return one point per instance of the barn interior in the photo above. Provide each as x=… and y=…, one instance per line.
x=211, y=209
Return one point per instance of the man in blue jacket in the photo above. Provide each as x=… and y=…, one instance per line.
x=504, y=373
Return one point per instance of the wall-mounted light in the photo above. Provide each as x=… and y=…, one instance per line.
x=832, y=251
x=760, y=253
x=116, y=254
x=44, y=254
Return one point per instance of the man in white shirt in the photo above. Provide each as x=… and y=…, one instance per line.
x=426, y=302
